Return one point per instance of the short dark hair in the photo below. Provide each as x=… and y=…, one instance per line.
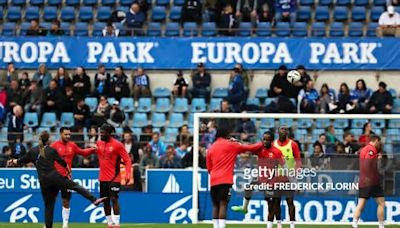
x=224, y=128
x=323, y=134
x=62, y=129
x=382, y=84
x=56, y=22
x=269, y=133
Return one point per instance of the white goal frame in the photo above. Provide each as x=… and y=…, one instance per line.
x=196, y=128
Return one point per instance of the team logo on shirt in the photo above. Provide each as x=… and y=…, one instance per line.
x=371, y=153
x=111, y=149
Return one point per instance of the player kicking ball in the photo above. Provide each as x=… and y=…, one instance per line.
x=221, y=158
x=370, y=183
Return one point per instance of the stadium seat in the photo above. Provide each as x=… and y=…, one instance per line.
x=321, y=13
x=172, y=29
x=371, y=29
x=74, y=3
x=262, y=93
x=46, y=25
x=154, y=29
x=81, y=29
x=356, y=132
x=245, y=29
x=340, y=123
x=377, y=124
x=286, y=121
x=301, y=135
x=393, y=92
x=140, y=120
x=144, y=104
x=376, y=12
x=32, y=13
x=318, y=29
x=358, y=123
x=379, y=2
x=110, y=100
x=253, y=101
x=162, y=2
x=179, y=2
x=306, y=2
x=31, y=119
x=396, y=106
x=358, y=13
x=86, y=13
x=24, y=27
x=325, y=2
x=355, y=29
x=126, y=3
x=299, y=29
x=322, y=123
x=267, y=123
x=98, y=28
x=50, y=13
x=172, y=131
x=215, y=104
x=136, y=132
x=161, y=92
x=1, y=13
x=394, y=123
x=18, y=3
x=282, y=29
x=209, y=29
x=123, y=8
x=181, y=105
x=162, y=105
x=199, y=105
x=9, y=29
x=158, y=120
x=268, y=101
x=220, y=92
x=42, y=129
x=361, y=2
x=343, y=2
x=315, y=134
x=66, y=27
x=190, y=29
x=49, y=119
x=263, y=29
x=175, y=13
x=304, y=13
x=158, y=14
x=67, y=119
x=176, y=120
x=340, y=13
x=54, y=3
x=336, y=29
x=127, y=104
x=89, y=2
x=304, y=123
x=110, y=3
x=92, y=103
x=14, y=14
x=68, y=13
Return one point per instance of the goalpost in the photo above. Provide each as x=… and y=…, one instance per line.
x=275, y=117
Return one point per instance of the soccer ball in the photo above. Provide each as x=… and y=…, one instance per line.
x=293, y=76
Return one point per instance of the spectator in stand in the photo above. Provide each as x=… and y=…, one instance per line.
x=36, y=29
x=5, y=156
x=318, y=159
x=102, y=82
x=93, y=137
x=191, y=11
x=265, y=14
x=182, y=147
x=103, y=109
x=141, y=85
x=131, y=146
x=87, y=163
x=350, y=144
x=16, y=126
x=236, y=94
x=8, y=75
x=228, y=22
x=326, y=99
x=331, y=135
x=144, y=6
x=201, y=82
x=344, y=100
x=389, y=23
x=146, y=135
x=135, y=19
x=184, y=134
x=33, y=98
x=52, y=99
x=81, y=83
x=110, y=30
x=381, y=100
x=286, y=10
x=246, y=76
x=224, y=107
x=187, y=160
x=42, y=76
x=180, y=85
x=305, y=77
x=24, y=82
x=82, y=114
x=280, y=86
x=210, y=11
x=14, y=95
x=149, y=160
x=119, y=84
x=308, y=99
x=68, y=100
x=63, y=79
x=158, y=147
x=170, y=160
x=360, y=96
x=18, y=149
x=367, y=131
x=247, y=130
x=116, y=117
x=246, y=10
x=322, y=140
x=56, y=29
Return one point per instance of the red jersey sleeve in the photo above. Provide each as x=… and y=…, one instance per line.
x=296, y=153
x=83, y=152
x=208, y=162
x=241, y=148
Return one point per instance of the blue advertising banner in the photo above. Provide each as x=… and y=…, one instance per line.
x=217, y=53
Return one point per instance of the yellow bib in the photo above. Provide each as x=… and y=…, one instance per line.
x=287, y=153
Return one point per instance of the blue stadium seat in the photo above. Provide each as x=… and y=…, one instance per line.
x=92, y=103
x=321, y=13
x=315, y=134
x=42, y=129
x=161, y=92
x=304, y=123
x=103, y=13
x=54, y=2
x=325, y=2
x=172, y=29
x=355, y=29
x=394, y=123
x=198, y=105
x=322, y=123
x=336, y=29
x=220, y=92
x=377, y=124
x=139, y=119
x=190, y=120
x=18, y=2
x=371, y=29
x=358, y=123
x=304, y=13
x=176, y=120
x=190, y=29
x=267, y=123
x=50, y=13
x=24, y=27
x=286, y=121
x=181, y=105
x=108, y=2
x=215, y=104
x=175, y=13
x=68, y=13
x=127, y=104
x=340, y=123
x=179, y=2
x=299, y=29
x=81, y=29
x=154, y=29
x=3, y=3
x=136, y=131
x=32, y=13
x=253, y=101
x=343, y=2
x=162, y=2
x=379, y=2
x=358, y=13
x=262, y=93
x=158, y=14
x=98, y=28
x=66, y=27
x=263, y=29
x=123, y=8
x=9, y=29
x=31, y=119
x=356, y=132
x=158, y=120
x=245, y=29
x=49, y=119
x=282, y=29
x=14, y=14
x=393, y=134
x=301, y=135
x=74, y=3
x=209, y=29
x=393, y=92
x=340, y=13
x=86, y=13
x=318, y=29
x=361, y=2
x=172, y=131
x=110, y=100
x=162, y=105
x=268, y=101
x=46, y=25
x=306, y=2
x=127, y=3
x=89, y=2
x=396, y=106
x=144, y=104
x=376, y=12
x=67, y=119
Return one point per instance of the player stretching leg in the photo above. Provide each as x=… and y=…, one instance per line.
x=109, y=152
x=370, y=183
x=67, y=150
x=221, y=159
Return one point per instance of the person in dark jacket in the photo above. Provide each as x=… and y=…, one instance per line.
x=81, y=83
x=24, y=82
x=191, y=11
x=135, y=19
x=36, y=29
x=228, y=21
x=33, y=97
x=14, y=95
x=55, y=29
x=201, y=82
x=52, y=99
x=236, y=91
x=102, y=82
x=116, y=117
x=280, y=86
x=381, y=100
x=119, y=84
x=68, y=100
x=16, y=125
x=82, y=114
x=187, y=160
x=170, y=160
x=63, y=79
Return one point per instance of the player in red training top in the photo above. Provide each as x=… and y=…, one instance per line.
x=221, y=157
x=109, y=152
x=67, y=151
x=370, y=183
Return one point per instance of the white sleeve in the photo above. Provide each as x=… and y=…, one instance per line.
x=299, y=99
x=382, y=19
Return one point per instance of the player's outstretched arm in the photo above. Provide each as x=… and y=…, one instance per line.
x=84, y=152
x=241, y=148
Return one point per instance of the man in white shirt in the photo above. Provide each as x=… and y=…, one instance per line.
x=389, y=23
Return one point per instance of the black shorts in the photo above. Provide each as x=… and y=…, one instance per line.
x=374, y=192
x=66, y=194
x=221, y=192
x=109, y=189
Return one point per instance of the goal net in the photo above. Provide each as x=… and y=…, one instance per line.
x=324, y=184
